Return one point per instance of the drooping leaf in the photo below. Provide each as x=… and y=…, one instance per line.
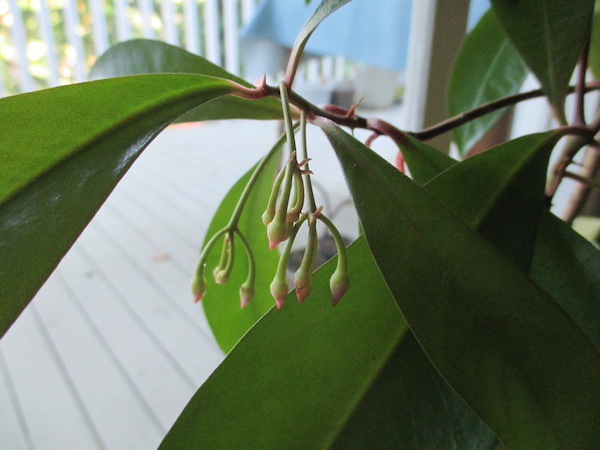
x=511, y=353
x=487, y=68
x=295, y=378
x=500, y=193
x=62, y=151
x=222, y=302
x=594, y=53
x=423, y=161
x=549, y=35
x=143, y=56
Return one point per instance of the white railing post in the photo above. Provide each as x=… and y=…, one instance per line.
x=211, y=31
x=122, y=19
x=146, y=11
x=47, y=36
x=72, y=24
x=99, y=26
x=19, y=38
x=436, y=31
x=230, y=35
x=190, y=22
x=171, y=34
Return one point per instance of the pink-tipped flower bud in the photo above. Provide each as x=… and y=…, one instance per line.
x=302, y=281
x=279, y=290
x=277, y=232
x=246, y=294
x=338, y=284
x=198, y=287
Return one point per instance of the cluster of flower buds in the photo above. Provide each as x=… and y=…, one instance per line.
x=285, y=202
x=222, y=271
x=339, y=281
x=283, y=218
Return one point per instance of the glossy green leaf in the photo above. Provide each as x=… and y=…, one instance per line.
x=549, y=35
x=222, y=302
x=491, y=190
x=487, y=68
x=511, y=353
x=143, y=56
x=296, y=377
x=594, y=54
x=500, y=193
x=424, y=161
x=62, y=152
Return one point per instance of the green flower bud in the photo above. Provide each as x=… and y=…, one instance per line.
x=269, y=213
x=338, y=284
x=293, y=214
x=222, y=272
x=198, y=286
x=277, y=232
x=221, y=276
x=279, y=289
x=302, y=281
x=303, y=276
x=246, y=294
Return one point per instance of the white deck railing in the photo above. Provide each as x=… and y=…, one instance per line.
x=46, y=43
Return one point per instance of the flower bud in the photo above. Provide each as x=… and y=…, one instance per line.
x=302, y=281
x=246, y=294
x=277, y=232
x=279, y=290
x=221, y=276
x=269, y=213
x=338, y=284
x=293, y=213
x=198, y=286
x=303, y=276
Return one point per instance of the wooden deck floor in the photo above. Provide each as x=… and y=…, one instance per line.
x=112, y=347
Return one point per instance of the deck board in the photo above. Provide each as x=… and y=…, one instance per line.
x=112, y=347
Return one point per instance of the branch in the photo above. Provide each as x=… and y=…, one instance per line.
x=467, y=116
x=579, y=116
x=347, y=118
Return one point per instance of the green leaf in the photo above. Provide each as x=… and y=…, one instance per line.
x=594, y=54
x=508, y=350
x=500, y=193
x=143, y=56
x=410, y=406
x=487, y=68
x=549, y=35
x=494, y=192
x=424, y=161
x=222, y=302
x=62, y=152
x=296, y=377
x=567, y=266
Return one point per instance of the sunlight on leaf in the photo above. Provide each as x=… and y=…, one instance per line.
x=64, y=168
